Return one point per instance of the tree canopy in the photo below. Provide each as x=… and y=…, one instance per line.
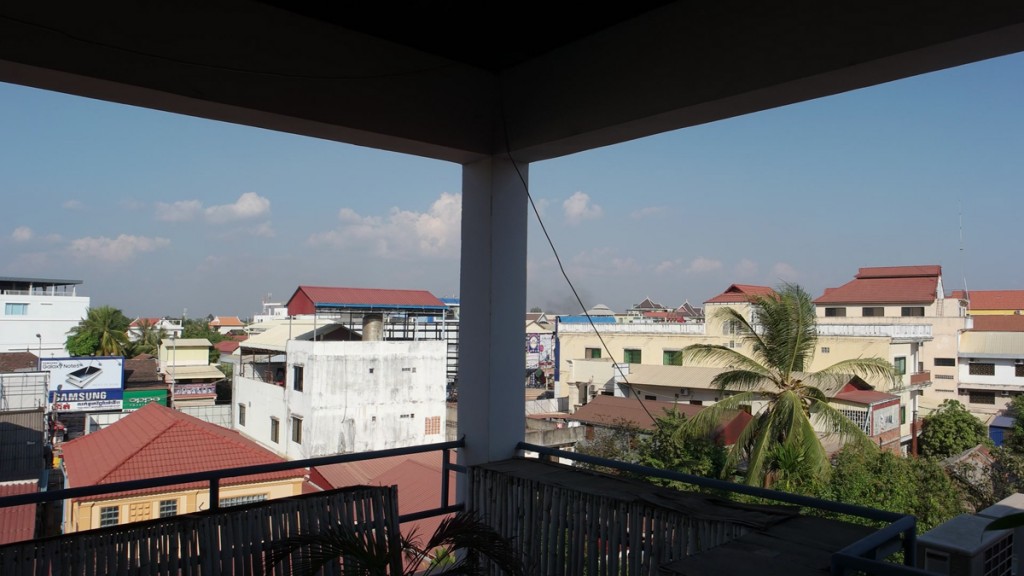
x=672, y=447
x=780, y=443
x=950, y=430
x=103, y=332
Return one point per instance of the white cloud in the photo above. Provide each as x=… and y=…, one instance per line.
x=180, y=211
x=668, y=266
x=73, y=205
x=746, y=268
x=578, y=208
x=53, y=238
x=265, y=230
x=784, y=272
x=701, y=264
x=248, y=205
x=602, y=261
x=120, y=249
x=403, y=233
x=648, y=212
x=22, y=234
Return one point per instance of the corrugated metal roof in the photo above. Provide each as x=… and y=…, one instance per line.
x=17, y=523
x=992, y=344
x=580, y=319
x=866, y=397
x=276, y=338
x=21, y=445
x=156, y=441
x=193, y=372
x=183, y=342
x=701, y=377
x=611, y=411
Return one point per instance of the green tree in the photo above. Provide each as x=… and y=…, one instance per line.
x=617, y=442
x=883, y=480
x=149, y=338
x=672, y=447
x=105, y=327
x=780, y=441
x=950, y=430
x=1015, y=439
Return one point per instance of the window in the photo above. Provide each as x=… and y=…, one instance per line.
x=109, y=516
x=912, y=311
x=945, y=361
x=982, y=397
x=297, y=380
x=872, y=311
x=982, y=369
x=732, y=327
x=432, y=425
x=275, y=430
x=903, y=414
x=672, y=358
x=592, y=353
x=631, y=356
x=650, y=397
x=239, y=500
x=12, y=309
x=825, y=349
x=241, y=414
x=1019, y=371
x=168, y=508
x=900, y=364
x=296, y=429
x=835, y=312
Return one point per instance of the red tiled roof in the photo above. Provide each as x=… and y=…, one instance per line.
x=369, y=296
x=17, y=523
x=986, y=323
x=740, y=293
x=899, y=271
x=672, y=316
x=993, y=299
x=18, y=361
x=610, y=411
x=227, y=346
x=156, y=441
x=888, y=285
x=866, y=397
x=139, y=321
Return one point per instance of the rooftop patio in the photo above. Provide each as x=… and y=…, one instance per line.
x=492, y=92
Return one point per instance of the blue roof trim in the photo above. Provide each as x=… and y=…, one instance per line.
x=584, y=320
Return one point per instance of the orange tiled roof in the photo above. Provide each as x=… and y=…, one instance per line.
x=993, y=299
x=740, y=293
x=156, y=441
x=1007, y=323
x=226, y=321
x=887, y=285
x=369, y=296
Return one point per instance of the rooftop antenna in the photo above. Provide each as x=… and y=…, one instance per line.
x=963, y=257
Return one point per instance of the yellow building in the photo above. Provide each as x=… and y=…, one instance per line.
x=157, y=441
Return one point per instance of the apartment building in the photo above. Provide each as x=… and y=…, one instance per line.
x=37, y=313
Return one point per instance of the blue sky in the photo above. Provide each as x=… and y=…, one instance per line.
x=158, y=213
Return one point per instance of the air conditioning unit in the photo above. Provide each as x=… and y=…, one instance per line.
x=1018, y=361
x=1004, y=393
x=684, y=391
x=962, y=546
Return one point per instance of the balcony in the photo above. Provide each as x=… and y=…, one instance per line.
x=921, y=378
x=908, y=332
x=562, y=519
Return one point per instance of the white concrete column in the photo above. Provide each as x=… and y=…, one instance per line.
x=493, y=297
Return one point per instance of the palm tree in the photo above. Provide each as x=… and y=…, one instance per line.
x=780, y=444
x=107, y=326
x=458, y=546
x=149, y=338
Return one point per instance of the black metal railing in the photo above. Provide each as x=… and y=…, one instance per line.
x=213, y=478
x=901, y=529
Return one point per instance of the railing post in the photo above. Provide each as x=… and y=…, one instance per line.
x=910, y=546
x=214, y=493
x=445, y=463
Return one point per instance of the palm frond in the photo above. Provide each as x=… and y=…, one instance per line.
x=716, y=355
x=706, y=422
x=833, y=422
x=870, y=369
x=735, y=380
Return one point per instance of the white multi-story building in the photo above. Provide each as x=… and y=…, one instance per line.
x=37, y=313
x=991, y=369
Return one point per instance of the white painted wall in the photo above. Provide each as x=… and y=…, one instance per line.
x=356, y=397
x=50, y=316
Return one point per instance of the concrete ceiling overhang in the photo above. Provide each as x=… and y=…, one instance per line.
x=445, y=80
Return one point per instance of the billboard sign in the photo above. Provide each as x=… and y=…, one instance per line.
x=85, y=384
x=196, y=389
x=135, y=399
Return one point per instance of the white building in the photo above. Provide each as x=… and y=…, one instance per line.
x=37, y=313
x=303, y=399
x=991, y=369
